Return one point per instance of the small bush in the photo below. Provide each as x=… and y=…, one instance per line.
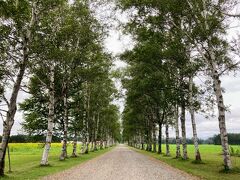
x=234, y=152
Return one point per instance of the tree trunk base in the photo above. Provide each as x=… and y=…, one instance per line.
x=198, y=157
x=74, y=156
x=44, y=165
x=62, y=159
x=178, y=156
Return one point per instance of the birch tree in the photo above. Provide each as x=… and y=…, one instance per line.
x=20, y=20
x=209, y=48
x=25, y=36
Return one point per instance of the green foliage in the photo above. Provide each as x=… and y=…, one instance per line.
x=233, y=138
x=20, y=138
x=174, y=42
x=70, y=39
x=235, y=151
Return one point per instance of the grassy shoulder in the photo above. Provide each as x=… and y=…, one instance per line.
x=210, y=168
x=25, y=160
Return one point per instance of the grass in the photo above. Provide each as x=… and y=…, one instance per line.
x=211, y=166
x=25, y=160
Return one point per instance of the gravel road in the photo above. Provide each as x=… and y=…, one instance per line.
x=122, y=163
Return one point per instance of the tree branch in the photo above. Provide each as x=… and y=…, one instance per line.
x=230, y=67
x=232, y=15
x=5, y=99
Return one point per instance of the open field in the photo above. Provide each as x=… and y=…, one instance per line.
x=211, y=166
x=25, y=160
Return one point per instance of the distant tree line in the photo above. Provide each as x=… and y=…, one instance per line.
x=21, y=138
x=234, y=139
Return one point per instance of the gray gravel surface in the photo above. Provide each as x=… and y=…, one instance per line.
x=122, y=163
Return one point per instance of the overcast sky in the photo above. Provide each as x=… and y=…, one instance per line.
x=116, y=43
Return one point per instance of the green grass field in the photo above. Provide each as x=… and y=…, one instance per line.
x=212, y=163
x=25, y=160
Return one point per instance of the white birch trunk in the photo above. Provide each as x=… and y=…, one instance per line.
x=83, y=146
x=87, y=142
x=87, y=120
x=167, y=140
x=160, y=138
x=183, y=126
x=74, y=153
x=194, y=128
x=178, y=153
x=96, y=132
x=92, y=145
x=221, y=114
x=8, y=123
x=101, y=144
x=65, y=121
x=154, y=139
x=47, y=146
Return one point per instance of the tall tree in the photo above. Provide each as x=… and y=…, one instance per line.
x=19, y=22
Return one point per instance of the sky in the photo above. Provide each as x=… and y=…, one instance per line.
x=116, y=43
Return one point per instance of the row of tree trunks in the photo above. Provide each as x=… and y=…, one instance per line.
x=151, y=145
x=91, y=144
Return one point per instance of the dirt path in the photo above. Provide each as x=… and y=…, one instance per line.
x=122, y=163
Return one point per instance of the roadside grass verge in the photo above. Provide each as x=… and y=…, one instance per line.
x=210, y=168
x=25, y=160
